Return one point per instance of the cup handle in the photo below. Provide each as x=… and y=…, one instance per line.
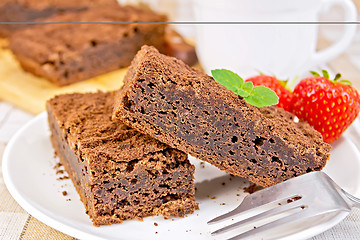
x=347, y=37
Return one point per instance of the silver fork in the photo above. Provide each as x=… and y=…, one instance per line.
x=294, y=201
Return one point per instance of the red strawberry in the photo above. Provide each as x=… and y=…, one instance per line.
x=330, y=106
x=274, y=84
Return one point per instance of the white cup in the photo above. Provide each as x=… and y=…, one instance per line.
x=285, y=50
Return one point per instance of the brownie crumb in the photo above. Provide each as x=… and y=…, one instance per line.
x=155, y=224
x=296, y=198
x=302, y=207
x=68, y=199
x=156, y=232
x=223, y=184
x=60, y=171
x=238, y=194
x=213, y=198
x=293, y=199
x=64, y=193
x=63, y=178
x=222, y=203
x=252, y=188
x=57, y=165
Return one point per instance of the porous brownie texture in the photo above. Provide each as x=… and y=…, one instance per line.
x=68, y=53
x=118, y=172
x=188, y=110
x=30, y=10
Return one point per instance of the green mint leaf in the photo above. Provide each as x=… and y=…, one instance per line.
x=262, y=96
x=241, y=93
x=245, y=89
x=259, y=96
x=227, y=78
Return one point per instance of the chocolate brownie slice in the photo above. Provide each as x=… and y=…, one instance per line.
x=30, y=10
x=68, y=53
x=186, y=109
x=118, y=172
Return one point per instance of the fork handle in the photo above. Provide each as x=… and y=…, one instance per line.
x=355, y=202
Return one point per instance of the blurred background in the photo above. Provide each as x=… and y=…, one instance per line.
x=347, y=62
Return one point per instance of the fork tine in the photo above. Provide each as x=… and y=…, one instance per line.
x=272, y=212
x=251, y=202
x=225, y=216
x=291, y=219
x=268, y=195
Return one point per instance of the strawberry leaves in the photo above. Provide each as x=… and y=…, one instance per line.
x=258, y=96
x=336, y=79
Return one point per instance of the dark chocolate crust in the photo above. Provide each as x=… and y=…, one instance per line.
x=30, y=10
x=68, y=53
x=186, y=109
x=118, y=172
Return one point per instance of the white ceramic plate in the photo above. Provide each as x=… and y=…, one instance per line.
x=28, y=169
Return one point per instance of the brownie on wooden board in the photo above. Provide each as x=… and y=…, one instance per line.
x=118, y=172
x=186, y=109
x=68, y=53
x=31, y=10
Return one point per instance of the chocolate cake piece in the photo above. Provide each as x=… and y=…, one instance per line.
x=30, y=10
x=118, y=172
x=176, y=46
x=68, y=53
x=188, y=110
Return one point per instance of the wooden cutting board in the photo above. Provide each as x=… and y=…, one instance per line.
x=30, y=92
